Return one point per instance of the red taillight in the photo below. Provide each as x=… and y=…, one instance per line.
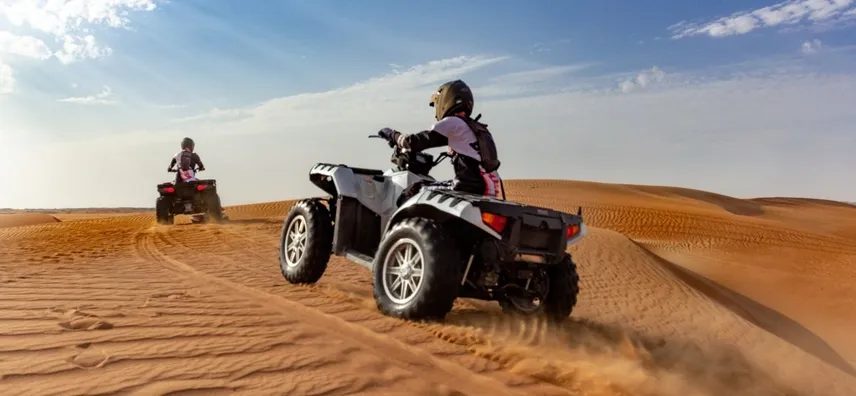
x=572, y=231
x=494, y=221
x=169, y=190
x=200, y=187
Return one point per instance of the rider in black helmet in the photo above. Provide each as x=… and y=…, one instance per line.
x=474, y=156
x=187, y=161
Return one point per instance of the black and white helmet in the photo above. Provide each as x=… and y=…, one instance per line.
x=187, y=143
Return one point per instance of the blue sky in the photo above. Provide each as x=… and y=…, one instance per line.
x=749, y=98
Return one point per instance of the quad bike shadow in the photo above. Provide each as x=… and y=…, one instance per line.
x=199, y=199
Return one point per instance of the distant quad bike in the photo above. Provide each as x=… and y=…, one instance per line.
x=198, y=198
x=434, y=247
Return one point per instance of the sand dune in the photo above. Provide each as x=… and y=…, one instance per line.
x=684, y=292
x=25, y=219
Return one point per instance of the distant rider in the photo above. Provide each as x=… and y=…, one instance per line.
x=187, y=161
x=472, y=149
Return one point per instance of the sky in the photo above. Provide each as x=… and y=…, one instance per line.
x=746, y=98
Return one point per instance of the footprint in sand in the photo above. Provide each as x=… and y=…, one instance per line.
x=87, y=360
x=86, y=324
x=171, y=296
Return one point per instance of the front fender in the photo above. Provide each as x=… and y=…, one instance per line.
x=433, y=204
x=335, y=180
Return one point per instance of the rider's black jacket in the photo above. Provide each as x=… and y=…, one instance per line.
x=468, y=175
x=186, y=161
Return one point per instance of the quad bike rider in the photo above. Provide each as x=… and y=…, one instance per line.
x=471, y=146
x=188, y=194
x=428, y=243
x=188, y=162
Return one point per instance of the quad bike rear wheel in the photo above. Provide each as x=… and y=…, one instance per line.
x=561, y=297
x=306, y=242
x=213, y=212
x=417, y=271
x=162, y=211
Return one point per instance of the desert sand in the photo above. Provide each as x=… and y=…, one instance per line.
x=24, y=219
x=683, y=292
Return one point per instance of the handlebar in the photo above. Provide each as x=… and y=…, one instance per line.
x=398, y=151
x=380, y=136
x=194, y=171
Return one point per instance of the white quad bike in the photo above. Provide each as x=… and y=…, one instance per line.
x=434, y=247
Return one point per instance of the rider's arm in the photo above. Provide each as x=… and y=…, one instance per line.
x=195, y=160
x=171, y=164
x=420, y=141
x=449, y=128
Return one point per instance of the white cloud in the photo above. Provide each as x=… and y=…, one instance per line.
x=694, y=130
x=170, y=106
x=68, y=22
x=535, y=81
x=26, y=46
x=7, y=79
x=547, y=47
x=61, y=17
x=811, y=46
x=104, y=97
x=372, y=98
x=77, y=48
x=643, y=79
x=538, y=75
x=784, y=13
x=215, y=114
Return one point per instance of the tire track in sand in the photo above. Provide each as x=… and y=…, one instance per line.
x=125, y=325
x=485, y=342
x=410, y=358
x=264, y=245
x=465, y=339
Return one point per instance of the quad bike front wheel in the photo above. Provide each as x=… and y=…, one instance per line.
x=417, y=271
x=306, y=242
x=562, y=286
x=162, y=211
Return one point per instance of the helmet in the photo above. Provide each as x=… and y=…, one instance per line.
x=187, y=143
x=452, y=97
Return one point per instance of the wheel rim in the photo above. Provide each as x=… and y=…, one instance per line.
x=402, y=271
x=525, y=305
x=533, y=305
x=295, y=241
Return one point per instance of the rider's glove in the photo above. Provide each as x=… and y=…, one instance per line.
x=388, y=134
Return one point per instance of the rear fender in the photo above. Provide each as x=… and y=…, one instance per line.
x=431, y=205
x=576, y=238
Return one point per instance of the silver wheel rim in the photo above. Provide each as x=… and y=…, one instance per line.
x=402, y=271
x=295, y=241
